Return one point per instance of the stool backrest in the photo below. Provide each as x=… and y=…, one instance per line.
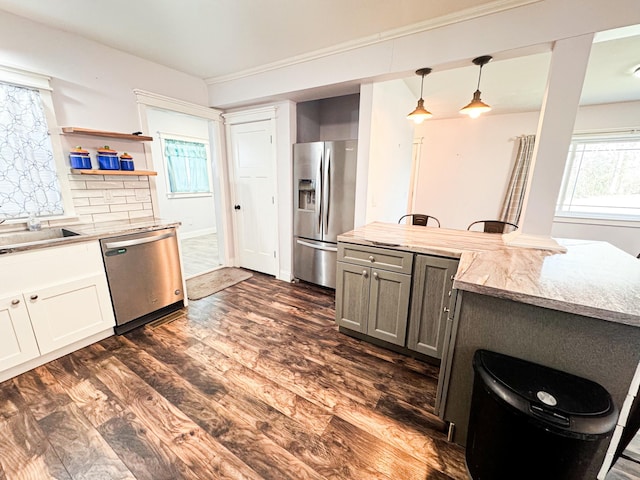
x=419, y=219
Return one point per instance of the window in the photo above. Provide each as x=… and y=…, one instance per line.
x=188, y=167
x=30, y=155
x=28, y=180
x=602, y=179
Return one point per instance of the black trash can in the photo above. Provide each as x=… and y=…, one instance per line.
x=532, y=422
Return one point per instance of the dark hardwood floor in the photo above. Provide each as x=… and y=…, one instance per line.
x=253, y=382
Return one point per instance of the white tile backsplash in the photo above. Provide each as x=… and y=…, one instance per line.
x=103, y=198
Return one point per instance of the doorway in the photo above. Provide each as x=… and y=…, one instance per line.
x=183, y=150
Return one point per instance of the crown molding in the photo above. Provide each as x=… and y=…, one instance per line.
x=160, y=101
x=442, y=21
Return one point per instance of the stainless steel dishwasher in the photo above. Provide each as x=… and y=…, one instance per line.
x=143, y=271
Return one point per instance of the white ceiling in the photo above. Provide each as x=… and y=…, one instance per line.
x=212, y=38
x=218, y=38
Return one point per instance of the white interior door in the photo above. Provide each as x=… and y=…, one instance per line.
x=253, y=158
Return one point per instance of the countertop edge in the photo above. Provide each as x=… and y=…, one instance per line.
x=103, y=231
x=549, y=303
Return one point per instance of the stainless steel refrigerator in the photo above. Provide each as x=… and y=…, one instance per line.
x=324, y=181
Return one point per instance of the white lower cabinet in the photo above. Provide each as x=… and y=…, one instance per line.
x=69, y=312
x=17, y=341
x=61, y=299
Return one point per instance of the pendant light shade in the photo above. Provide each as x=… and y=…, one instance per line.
x=420, y=114
x=477, y=106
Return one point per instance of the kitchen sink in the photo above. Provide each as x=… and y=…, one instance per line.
x=22, y=237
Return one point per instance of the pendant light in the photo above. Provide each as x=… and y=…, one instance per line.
x=420, y=114
x=477, y=106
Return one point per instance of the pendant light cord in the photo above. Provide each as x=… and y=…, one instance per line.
x=479, y=77
x=421, y=85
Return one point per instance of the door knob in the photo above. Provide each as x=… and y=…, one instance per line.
x=364, y=273
x=236, y=207
x=375, y=275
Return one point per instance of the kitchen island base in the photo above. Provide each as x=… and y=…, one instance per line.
x=602, y=351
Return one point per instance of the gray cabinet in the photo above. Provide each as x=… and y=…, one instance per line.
x=433, y=298
x=373, y=291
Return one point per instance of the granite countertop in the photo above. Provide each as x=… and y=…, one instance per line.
x=85, y=231
x=591, y=278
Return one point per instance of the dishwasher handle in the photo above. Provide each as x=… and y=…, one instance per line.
x=138, y=241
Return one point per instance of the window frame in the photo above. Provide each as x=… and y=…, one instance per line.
x=42, y=83
x=593, y=218
x=177, y=195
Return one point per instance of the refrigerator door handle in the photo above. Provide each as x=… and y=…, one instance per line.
x=327, y=190
x=319, y=196
x=317, y=247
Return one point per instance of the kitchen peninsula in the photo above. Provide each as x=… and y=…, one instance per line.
x=577, y=311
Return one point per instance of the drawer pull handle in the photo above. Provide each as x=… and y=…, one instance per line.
x=446, y=309
x=372, y=258
x=33, y=297
x=365, y=274
x=375, y=275
x=15, y=301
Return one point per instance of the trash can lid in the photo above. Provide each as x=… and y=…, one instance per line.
x=552, y=389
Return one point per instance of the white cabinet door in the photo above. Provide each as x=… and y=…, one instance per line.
x=17, y=342
x=69, y=312
x=253, y=161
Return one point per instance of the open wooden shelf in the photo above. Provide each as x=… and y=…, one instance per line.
x=146, y=173
x=104, y=133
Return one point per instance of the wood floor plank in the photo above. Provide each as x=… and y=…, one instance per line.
x=235, y=433
x=206, y=380
x=285, y=348
x=11, y=402
x=415, y=417
x=96, y=401
x=399, y=435
x=42, y=393
x=366, y=458
x=82, y=450
x=202, y=454
x=271, y=393
x=146, y=456
x=285, y=431
x=26, y=453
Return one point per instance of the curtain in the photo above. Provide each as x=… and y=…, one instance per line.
x=187, y=167
x=28, y=178
x=512, y=206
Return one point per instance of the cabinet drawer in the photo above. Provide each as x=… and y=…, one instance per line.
x=382, y=258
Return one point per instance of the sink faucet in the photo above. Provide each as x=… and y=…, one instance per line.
x=33, y=223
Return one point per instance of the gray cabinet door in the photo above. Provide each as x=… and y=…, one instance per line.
x=389, y=306
x=352, y=296
x=432, y=284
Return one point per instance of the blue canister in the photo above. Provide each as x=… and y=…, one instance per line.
x=80, y=158
x=108, y=159
x=126, y=161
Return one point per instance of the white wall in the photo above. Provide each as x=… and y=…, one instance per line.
x=465, y=166
x=197, y=214
x=285, y=137
x=390, y=147
x=92, y=84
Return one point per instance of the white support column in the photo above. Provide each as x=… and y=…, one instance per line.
x=555, y=127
